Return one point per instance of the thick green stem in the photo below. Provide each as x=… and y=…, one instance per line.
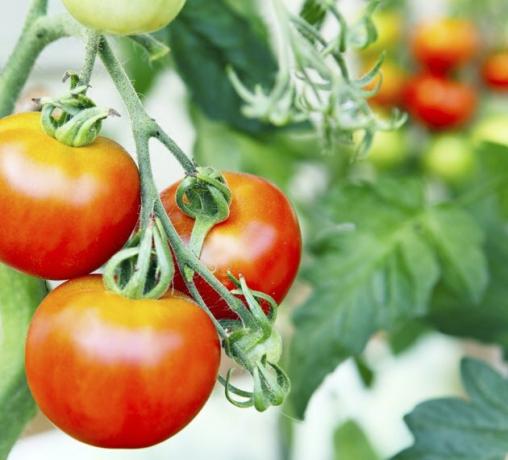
x=39, y=32
x=92, y=48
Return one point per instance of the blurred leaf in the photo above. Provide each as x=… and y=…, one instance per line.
x=456, y=429
x=206, y=38
x=19, y=296
x=272, y=155
x=379, y=274
x=364, y=371
x=351, y=443
x=405, y=335
x=313, y=12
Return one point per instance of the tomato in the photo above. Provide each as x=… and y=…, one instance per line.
x=120, y=373
x=445, y=44
x=389, y=149
x=392, y=87
x=450, y=157
x=389, y=30
x=64, y=211
x=260, y=240
x=492, y=129
x=495, y=71
x=440, y=103
x=124, y=17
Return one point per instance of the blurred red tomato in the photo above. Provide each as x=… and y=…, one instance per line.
x=445, y=44
x=495, y=71
x=392, y=88
x=439, y=103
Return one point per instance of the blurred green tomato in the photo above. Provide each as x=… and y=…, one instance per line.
x=493, y=128
x=389, y=149
x=450, y=157
x=124, y=17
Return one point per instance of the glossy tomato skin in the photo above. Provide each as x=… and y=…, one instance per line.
x=445, y=44
x=495, y=71
x=261, y=240
x=63, y=211
x=124, y=17
x=120, y=373
x=439, y=103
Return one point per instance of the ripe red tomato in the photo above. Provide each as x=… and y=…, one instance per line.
x=120, y=373
x=495, y=71
x=64, y=211
x=439, y=103
x=445, y=44
x=260, y=240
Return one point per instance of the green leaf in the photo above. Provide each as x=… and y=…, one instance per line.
x=206, y=38
x=377, y=275
x=19, y=296
x=457, y=429
x=351, y=443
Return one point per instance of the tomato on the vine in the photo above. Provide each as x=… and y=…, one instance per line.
x=388, y=25
x=120, y=373
x=495, y=71
x=393, y=79
x=124, y=17
x=260, y=240
x=445, y=44
x=440, y=103
x=64, y=211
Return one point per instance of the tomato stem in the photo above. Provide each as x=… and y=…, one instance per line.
x=92, y=48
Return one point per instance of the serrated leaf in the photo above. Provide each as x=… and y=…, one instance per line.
x=351, y=443
x=19, y=296
x=206, y=38
x=472, y=429
x=378, y=275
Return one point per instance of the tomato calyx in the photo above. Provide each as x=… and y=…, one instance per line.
x=205, y=197
x=73, y=119
x=144, y=268
x=257, y=347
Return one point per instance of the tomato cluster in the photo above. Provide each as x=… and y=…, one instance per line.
x=109, y=370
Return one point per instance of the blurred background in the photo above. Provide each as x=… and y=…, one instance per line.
x=348, y=408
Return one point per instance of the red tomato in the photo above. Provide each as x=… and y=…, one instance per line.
x=64, y=211
x=440, y=103
x=260, y=240
x=445, y=44
x=120, y=373
x=495, y=71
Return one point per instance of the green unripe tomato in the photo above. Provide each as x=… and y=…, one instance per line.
x=450, y=157
x=493, y=129
x=389, y=149
x=124, y=17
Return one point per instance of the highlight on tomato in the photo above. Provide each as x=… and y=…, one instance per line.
x=445, y=44
x=64, y=211
x=440, y=103
x=120, y=373
x=124, y=17
x=260, y=240
x=495, y=71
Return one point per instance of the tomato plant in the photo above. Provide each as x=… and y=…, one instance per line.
x=128, y=373
x=392, y=80
x=445, y=44
x=495, y=71
x=64, y=211
x=124, y=17
x=440, y=103
x=261, y=220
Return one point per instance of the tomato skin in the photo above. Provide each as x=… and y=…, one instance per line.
x=120, y=373
x=495, y=71
x=445, y=44
x=439, y=103
x=63, y=211
x=124, y=17
x=261, y=240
